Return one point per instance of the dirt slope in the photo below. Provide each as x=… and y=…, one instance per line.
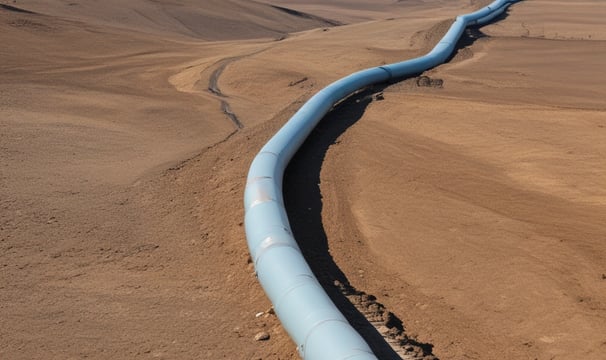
x=365, y=10
x=460, y=235
x=210, y=20
x=471, y=210
x=103, y=252
x=479, y=206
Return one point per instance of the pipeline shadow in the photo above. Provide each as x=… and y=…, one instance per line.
x=472, y=34
x=267, y=228
x=303, y=201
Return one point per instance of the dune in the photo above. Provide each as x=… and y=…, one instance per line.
x=365, y=10
x=212, y=20
x=463, y=210
x=95, y=115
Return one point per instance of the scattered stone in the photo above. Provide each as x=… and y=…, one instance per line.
x=262, y=336
x=259, y=314
x=603, y=276
x=378, y=96
x=426, y=81
x=382, y=329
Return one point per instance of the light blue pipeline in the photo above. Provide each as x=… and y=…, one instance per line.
x=311, y=319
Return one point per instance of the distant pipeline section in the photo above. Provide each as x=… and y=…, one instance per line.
x=311, y=319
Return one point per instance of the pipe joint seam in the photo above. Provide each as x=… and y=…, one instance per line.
x=271, y=243
x=314, y=327
x=300, y=281
x=387, y=71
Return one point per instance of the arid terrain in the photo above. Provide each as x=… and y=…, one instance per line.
x=460, y=214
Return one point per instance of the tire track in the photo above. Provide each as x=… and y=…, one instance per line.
x=213, y=86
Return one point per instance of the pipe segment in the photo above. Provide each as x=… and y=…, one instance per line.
x=311, y=319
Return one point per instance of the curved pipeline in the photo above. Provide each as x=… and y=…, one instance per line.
x=305, y=310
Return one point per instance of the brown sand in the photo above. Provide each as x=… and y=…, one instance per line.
x=473, y=212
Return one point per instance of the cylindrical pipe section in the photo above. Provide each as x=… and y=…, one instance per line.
x=311, y=319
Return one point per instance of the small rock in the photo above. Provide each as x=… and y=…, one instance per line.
x=262, y=336
x=383, y=329
x=426, y=81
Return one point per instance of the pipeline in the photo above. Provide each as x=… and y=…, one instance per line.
x=305, y=310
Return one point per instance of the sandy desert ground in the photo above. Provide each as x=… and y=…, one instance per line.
x=457, y=215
